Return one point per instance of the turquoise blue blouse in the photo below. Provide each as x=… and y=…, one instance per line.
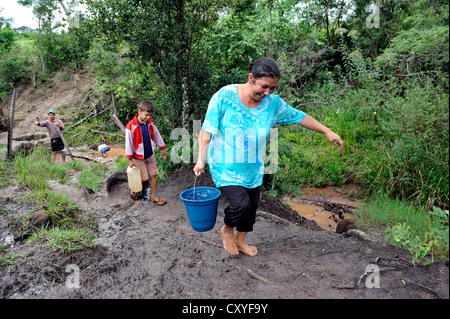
x=240, y=134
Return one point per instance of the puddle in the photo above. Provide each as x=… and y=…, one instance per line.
x=312, y=205
x=323, y=218
x=115, y=151
x=111, y=156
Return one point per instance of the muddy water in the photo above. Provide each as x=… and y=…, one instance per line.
x=116, y=151
x=312, y=205
x=113, y=152
x=324, y=219
x=85, y=153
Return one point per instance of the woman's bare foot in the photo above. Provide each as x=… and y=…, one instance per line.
x=228, y=240
x=242, y=246
x=247, y=249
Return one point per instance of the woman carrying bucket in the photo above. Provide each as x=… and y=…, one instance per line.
x=236, y=128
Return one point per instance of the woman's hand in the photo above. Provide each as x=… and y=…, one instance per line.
x=199, y=168
x=203, y=140
x=311, y=124
x=334, y=138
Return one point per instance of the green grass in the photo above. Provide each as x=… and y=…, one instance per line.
x=121, y=163
x=381, y=210
x=395, y=141
x=35, y=169
x=396, y=147
x=67, y=240
x=70, y=230
x=93, y=175
x=9, y=260
x=417, y=230
x=62, y=210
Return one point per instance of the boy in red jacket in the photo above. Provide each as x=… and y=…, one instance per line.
x=141, y=136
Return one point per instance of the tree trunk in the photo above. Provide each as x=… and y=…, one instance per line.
x=184, y=67
x=186, y=110
x=68, y=12
x=40, y=46
x=327, y=23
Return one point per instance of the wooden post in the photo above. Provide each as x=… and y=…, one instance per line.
x=11, y=123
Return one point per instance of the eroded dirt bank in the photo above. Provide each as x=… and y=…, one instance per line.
x=147, y=251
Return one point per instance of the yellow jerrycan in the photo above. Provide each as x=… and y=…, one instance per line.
x=134, y=179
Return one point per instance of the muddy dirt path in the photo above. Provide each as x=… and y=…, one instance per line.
x=147, y=251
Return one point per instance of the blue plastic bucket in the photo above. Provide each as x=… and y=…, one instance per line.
x=201, y=207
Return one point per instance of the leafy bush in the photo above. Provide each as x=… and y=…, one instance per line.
x=6, y=38
x=395, y=136
x=410, y=157
x=434, y=241
x=12, y=71
x=423, y=43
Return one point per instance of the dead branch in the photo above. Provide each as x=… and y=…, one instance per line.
x=90, y=116
x=256, y=276
x=107, y=133
x=208, y=242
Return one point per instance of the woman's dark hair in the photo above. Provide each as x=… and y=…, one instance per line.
x=263, y=68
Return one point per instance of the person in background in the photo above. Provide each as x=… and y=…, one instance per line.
x=56, y=143
x=102, y=149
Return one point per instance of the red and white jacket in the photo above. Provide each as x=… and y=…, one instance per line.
x=134, y=145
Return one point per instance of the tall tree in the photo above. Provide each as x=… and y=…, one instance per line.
x=159, y=32
x=67, y=6
x=43, y=10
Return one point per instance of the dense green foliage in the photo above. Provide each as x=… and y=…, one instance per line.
x=375, y=72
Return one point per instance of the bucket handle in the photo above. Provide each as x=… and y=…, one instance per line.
x=195, y=182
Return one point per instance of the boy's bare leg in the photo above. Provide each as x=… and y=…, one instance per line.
x=228, y=240
x=158, y=200
x=63, y=156
x=242, y=246
x=153, y=187
x=53, y=157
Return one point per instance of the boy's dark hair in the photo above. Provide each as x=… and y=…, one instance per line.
x=263, y=68
x=146, y=106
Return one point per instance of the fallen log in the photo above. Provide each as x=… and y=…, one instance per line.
x=118, y=122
